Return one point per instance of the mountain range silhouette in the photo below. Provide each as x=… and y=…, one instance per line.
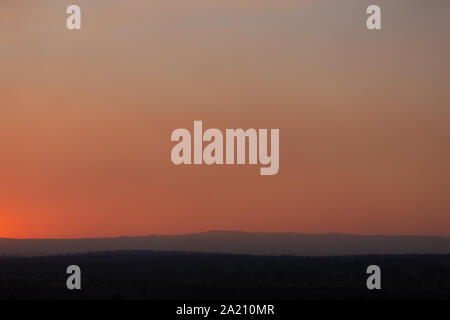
x=237, y=242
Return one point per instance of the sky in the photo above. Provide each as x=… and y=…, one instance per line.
x=86, y=116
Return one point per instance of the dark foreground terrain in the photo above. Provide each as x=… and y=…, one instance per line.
x=177, y=275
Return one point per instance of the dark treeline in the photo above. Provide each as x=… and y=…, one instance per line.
x=178, y=275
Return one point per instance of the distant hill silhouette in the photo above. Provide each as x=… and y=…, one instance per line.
x=237, y=242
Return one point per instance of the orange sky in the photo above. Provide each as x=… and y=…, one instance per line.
x=86, y=116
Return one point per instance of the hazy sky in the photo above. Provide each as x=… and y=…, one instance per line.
x=86, y=116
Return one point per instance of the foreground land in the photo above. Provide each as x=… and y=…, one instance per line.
x=178, y=275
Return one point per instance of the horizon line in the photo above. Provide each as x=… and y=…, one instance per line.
x=229, y=231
